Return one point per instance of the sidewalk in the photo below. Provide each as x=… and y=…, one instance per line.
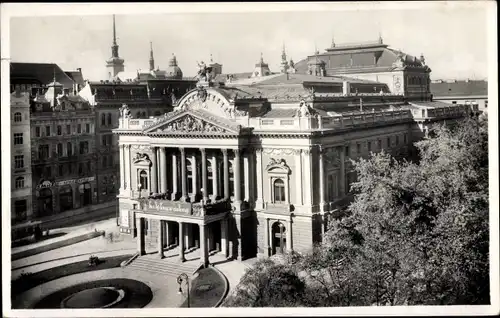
x=106, y=225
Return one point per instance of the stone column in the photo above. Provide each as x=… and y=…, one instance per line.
x=160, y=238
x=141, y=248
x=163, y=170
x=246, y=176
x=203, y=245
x=175, y=182
x=266, y=237
x=289, y=236
x=298, y=177
x=215, y=176
x=307, y=177
x=183, y=174
x=237, y=178
x=122, y=168
x=129, y=167
x=237, y=220
x=321, y=179
x=194, y=172
x=154, y=171
x=204, y=177
x=251, y=174
x=224, y=237
x=258, y=169
x=226, y=174
x=181, y=242
x=342, y=171
x=166, y=241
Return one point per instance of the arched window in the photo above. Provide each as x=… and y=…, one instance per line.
x=279, y=191
x=143, y=180
x=138, y=114
x=18, y=117
x=19, y=182
x=103, y=119
x=109, y=119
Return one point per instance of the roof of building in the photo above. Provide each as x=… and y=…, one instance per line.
x=40, y=72
x=76, y=76
x=361, y=55
x=460, y=88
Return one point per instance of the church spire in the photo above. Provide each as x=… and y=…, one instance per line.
x=114, y=47
x=333, y=42
x=151, y=58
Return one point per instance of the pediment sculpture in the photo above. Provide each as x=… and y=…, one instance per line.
x=141, y=157
x=191, y=124
x=277, y=163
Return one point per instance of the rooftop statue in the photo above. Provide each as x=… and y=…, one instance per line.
x=125, y=112
x=204, y=72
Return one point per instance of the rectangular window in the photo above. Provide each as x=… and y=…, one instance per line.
x=347, y=151
x=87, y=166
x=405, y=138
x=79, y=129
x=19, y=161
x=68, y=129
x=80, y=168
x=388, y=141
x=59, y=150
x=43, y=151
x=18, y=138
x=61, y=170
x=20, y=183
x=87, y=128
x=379, y=144
x=59, y=130
x=70, y=168
x=358, y=149
x=37, y=131
x=103, y=140
x=48, y=172
x=47, y=131
x=397, y=140
x=69, y=148
x=20, y=208
x=369, y=146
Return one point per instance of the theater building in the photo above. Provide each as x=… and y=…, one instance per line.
x=254, y=167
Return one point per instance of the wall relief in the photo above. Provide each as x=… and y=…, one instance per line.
x=191, y=124
x=277, y=163
x=141, y=157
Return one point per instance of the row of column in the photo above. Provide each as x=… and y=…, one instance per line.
x=163, y=238
x=159, y=171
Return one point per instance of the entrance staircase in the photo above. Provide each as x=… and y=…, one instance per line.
x=167, y=266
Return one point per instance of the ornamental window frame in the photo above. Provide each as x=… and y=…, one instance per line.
x=278, y=170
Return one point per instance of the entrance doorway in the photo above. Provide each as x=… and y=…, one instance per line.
x=66, y=198
x=279, y=238
x=44, y=202
x=87, y=194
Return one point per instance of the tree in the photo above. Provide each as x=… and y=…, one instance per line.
x=417, y=232
x=268, y=284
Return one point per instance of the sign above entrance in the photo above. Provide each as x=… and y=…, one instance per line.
x=81, y=180
x=167, y=206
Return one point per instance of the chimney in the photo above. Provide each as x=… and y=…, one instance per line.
x=79, y=69
x=18, y=91
x=346, y=88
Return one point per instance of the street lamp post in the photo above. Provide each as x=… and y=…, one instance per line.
x=184, y=278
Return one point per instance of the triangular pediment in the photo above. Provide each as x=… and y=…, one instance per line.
x=192, y=122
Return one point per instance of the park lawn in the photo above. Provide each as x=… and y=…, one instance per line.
x=26, y=282
x=210, y=297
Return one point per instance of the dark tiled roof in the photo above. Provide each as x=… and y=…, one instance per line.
x=460, y=88
x=280, y=113
x=362, y=57
x=40, y=72
x=76, y=76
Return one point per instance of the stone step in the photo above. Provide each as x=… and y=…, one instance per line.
x=163, y=266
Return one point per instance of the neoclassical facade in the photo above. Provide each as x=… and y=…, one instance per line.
x=255, y=169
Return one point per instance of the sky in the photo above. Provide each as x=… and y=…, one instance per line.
x=452, y=37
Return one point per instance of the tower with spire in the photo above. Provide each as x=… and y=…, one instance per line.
x=284, y=63
x=216, y=67
x=261, y=68
x=115, y=63
x=151, y=58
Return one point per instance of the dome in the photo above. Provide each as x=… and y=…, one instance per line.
x=173, y=71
